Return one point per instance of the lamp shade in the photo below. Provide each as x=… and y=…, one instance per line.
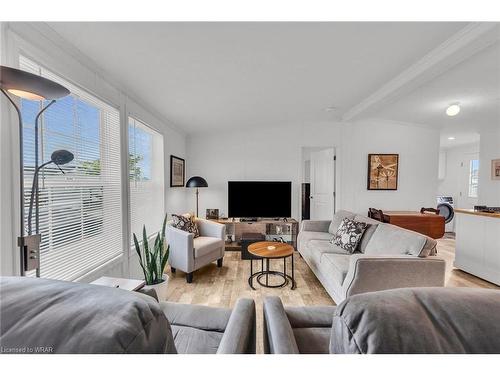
x=61, y=157
x=196, y=182
x=30, y=86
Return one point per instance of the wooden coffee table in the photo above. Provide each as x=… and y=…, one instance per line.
x=267, y=250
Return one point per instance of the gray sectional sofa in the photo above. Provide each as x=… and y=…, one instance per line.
x=387, y=257
x=49, y=316
x=398, y=321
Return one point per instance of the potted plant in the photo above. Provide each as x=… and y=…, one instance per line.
x=153, y=261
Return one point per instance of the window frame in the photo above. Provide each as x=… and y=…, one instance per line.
x=108, y=111
x=473, y=180
x=131, y=116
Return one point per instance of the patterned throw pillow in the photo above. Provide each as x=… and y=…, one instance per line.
x=186, y=223
x=349, y=234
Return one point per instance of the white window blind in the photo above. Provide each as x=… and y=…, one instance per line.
x=146, y=178
x=80, y=210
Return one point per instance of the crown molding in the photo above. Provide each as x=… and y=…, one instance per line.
x=462, y=45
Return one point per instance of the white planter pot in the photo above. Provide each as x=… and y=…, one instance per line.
x=160, y=289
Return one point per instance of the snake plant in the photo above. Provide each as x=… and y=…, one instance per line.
x=153, y=260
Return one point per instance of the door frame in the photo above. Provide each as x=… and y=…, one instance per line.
x=336, y=175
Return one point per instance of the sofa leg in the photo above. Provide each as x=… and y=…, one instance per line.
x=219, y=262
x=172, y=269
x=189, y=277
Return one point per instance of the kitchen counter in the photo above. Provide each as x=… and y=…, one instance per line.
x=479, y=213
x=478, y=244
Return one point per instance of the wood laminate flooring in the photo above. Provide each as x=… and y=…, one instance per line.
x=221, y=287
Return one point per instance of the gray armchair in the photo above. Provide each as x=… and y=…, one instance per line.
x=200, y=329
x=189, y=254
x=397, y=321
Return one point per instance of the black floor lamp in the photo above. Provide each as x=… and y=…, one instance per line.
x=196, y=182
x=32, y=87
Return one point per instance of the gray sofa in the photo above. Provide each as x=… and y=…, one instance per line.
x=398, y=321
x=189, y=254
x=387, y=257
x=48, y=316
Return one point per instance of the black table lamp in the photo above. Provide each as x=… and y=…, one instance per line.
x=32, y=87
x=196, y=182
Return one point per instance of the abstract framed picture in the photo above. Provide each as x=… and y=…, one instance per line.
x=177, y=171
x=383, y=170
x=495, y=169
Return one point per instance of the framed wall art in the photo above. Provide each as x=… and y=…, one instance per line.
x=383, y=171
x=177, y=171
x=495, y=169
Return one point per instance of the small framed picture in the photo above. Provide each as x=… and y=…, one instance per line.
x=495, y=169
x=383, y=170
x=177, y=171
x=212, y=213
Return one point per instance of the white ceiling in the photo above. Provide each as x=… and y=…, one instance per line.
x=474, y=83
x=213, y=76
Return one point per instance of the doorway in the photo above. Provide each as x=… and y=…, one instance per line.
x=318, y=183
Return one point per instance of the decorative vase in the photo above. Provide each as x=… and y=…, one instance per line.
x=160, y=289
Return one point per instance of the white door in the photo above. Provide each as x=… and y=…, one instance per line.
x=322, y=184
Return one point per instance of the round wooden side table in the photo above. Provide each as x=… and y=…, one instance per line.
x=267, y=250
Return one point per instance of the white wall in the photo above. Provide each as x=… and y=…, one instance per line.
x=275, y=154
x=42, y=45
x=418, y=149
x=456, y=174
x=7, y=219
x=489, y=190
x=261, y=154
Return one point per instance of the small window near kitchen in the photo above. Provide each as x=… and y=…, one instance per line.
x=473, y=178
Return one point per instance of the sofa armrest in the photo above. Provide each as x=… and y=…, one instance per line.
x=181, y=249
x=278, y=333
x=315, y=225
x=369, y=273
x=211, y=228
x=239, y=335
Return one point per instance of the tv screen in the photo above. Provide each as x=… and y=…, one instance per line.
x=270, y=199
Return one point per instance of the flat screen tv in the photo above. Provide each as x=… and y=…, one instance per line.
x=268, y=199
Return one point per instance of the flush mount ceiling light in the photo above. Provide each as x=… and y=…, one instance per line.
x=331, y=108
x=451, y=138
x=453, y=109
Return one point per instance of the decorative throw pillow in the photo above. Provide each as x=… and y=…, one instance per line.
x=186, y=223
x=349, y=234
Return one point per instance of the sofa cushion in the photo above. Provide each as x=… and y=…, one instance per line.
x=336, y=266
x=337, y=219
x=189, y=340
x=310, y=316
x=205, y=245
x=367, y=235
x=306, y=236
x=349, y=234
x=391, y=240
x=312, y=340
x=323, y=246
x=421, y=320
x=197, y=316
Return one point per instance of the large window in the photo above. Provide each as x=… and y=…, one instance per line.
x=80, y=209
x=473, y=178
x=146, y=176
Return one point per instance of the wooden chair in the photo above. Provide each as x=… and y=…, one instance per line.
x=430, y=209
x=376, y=214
